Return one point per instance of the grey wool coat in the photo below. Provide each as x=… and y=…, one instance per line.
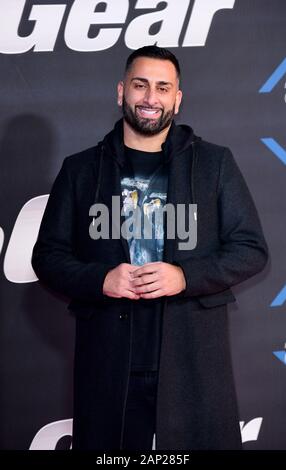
x=196, y=400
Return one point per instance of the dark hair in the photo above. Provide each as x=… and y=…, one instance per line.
x=154, y=52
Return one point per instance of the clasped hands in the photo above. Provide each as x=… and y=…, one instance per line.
x=148, y=281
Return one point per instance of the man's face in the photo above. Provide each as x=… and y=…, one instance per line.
x=150, y=95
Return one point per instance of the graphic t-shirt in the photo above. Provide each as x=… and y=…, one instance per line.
x=144, y=189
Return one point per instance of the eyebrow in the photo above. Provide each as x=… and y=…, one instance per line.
x=161, y=82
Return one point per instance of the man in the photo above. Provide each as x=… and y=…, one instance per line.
x=152, y=350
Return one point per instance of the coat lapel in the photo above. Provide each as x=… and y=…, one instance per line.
x=110, y=185
x=179, y=192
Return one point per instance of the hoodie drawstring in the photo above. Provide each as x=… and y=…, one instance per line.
x=99, y=175
x=194, y=158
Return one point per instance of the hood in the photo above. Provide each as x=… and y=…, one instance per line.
x=179, y=138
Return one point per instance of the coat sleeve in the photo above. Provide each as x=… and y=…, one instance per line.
x=243, y=251
x=53, y=257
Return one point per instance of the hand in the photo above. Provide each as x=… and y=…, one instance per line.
x=156, y=279
x=118, y=282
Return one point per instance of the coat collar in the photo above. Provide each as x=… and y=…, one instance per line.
x=178, y=139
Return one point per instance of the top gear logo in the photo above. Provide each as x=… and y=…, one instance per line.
x=109, y=19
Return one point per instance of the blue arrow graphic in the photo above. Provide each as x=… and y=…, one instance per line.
x=274, y=78
x=281, y=355
x=280, y=298
x=279, y=151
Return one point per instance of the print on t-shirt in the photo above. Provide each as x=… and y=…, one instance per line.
x=137, y=192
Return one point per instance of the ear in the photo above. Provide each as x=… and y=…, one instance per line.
x=120, y=89
x=178, y=100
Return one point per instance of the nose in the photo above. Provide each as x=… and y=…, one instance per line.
x=150, y=97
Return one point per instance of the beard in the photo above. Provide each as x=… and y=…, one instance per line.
x=146, y=126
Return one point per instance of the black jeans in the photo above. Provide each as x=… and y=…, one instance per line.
x=140, y=418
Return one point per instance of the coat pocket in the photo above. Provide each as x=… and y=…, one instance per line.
x=219, y=298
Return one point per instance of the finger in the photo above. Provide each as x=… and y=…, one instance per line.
x=152, y=295
x=144, y=279
x=111, y=294
x=129, y=294
x=132, y=268
x=147, y=288
x=148, y=268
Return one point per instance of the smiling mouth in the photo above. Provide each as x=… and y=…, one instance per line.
x=148, y=112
